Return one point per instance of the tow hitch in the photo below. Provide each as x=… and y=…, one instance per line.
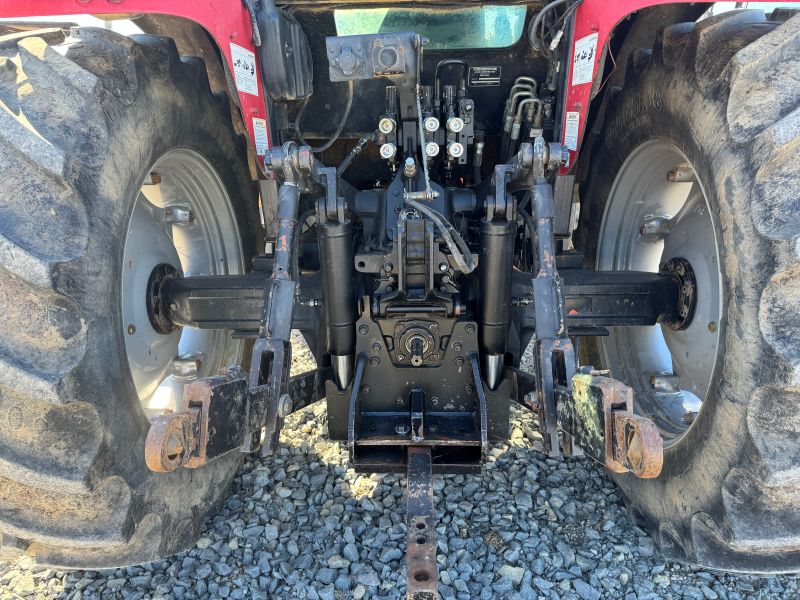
x=415, y=382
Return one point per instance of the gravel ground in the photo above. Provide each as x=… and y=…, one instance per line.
x=302, y=525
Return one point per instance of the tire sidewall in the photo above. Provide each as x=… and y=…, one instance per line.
x=669, y=104
x=170, y=111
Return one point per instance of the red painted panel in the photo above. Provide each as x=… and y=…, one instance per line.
x=226, y=20
x=594, y=17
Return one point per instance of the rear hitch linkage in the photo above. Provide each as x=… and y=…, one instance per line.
x=575, y=406
x=235, y=409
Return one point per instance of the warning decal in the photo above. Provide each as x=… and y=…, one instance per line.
x=583, y=59
x=571, y=130
x=260, y=136
x=244, y=70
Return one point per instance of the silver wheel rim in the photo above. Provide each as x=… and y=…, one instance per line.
x=670, y=371
x=182, y=217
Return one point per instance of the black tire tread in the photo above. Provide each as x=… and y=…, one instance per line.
x=62, y=500
x=746, y=66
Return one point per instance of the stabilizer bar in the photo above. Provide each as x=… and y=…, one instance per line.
x=591, y=299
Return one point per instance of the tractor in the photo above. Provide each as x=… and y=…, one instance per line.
x=425, y=191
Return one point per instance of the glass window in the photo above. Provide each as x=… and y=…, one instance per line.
x=476, y=27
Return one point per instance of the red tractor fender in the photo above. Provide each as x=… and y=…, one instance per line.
x=227, y=22
x=594, y=22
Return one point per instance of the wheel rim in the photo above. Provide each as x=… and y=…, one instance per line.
x=182, y=217
x=648, y=220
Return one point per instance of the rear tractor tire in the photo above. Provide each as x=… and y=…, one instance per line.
x=101, y=137
x=699, y=161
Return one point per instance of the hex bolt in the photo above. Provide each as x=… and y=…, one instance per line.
x=178, y=214
x=374, y=361
x=712, y=326
x=681, y=173
x=363, y=329
x=402, y=429
x=469, y=389
x=470, y=328
x=187, y=365
x=457, y=346
x=376, y=347
x=365, y=389
x=131, y=329
x=655, y=229
x=666, y=382
x=174, y=445
x=410, y=167
x=285, y=406
x=443, y=267
x=459, y=361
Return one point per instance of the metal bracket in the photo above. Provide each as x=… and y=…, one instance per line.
x=600, y=419
x=354, y=405
x=218, y=413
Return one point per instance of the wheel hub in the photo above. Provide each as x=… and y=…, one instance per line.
x=681, y=270
x=657, y=221
x=155, y=309
x=182, y=222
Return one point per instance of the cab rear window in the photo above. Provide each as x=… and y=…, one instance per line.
x=454, y=28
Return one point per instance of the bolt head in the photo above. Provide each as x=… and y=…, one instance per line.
x=363, y=329
x=443, y=267
x=285, y=406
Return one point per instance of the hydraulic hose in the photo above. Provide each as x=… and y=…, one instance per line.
x=339, y=129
